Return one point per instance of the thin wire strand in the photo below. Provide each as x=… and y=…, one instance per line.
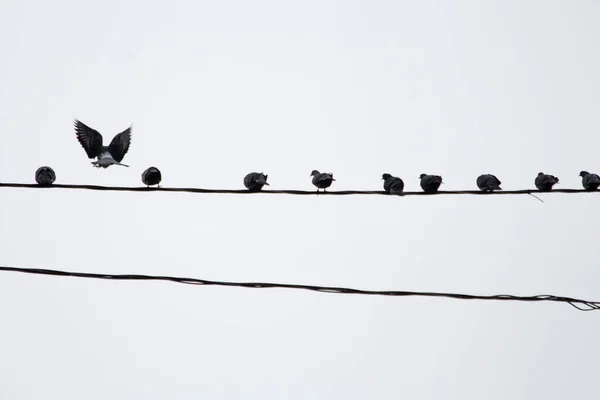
x=289, y=192
x=582, y=305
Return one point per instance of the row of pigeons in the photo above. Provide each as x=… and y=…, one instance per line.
x=92, y=142
x=255, y=181
x=45, y=176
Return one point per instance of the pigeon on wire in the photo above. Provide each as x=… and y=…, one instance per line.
x=45, y=176
x=151, y=177
x=321, y=180
x=255, y=181
x=393, y=184
x=91, y=141
x=590, y=181
x=545, y=182
x=430, y=183
x=488, y=183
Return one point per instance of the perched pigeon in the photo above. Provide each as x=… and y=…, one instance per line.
x=590, y=181
x=91, y=141
x=545, y=182
x=151, y=176
x=255, y=181
x=430, y=183
x=392, y=184
x=488, y=183
x=45, y=176
x=321, y=180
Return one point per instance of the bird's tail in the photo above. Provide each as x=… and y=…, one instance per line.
x=261, y=181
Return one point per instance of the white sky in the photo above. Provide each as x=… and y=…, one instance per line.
x=358, y=88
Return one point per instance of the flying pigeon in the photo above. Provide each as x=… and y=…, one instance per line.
x=91, y=141
x=488, y=183
x=255, y=181
x=45, y=176
x=321, y=180
x=545, y=182
x=393, y=184
x=151, y=176
x=430, y=183
x=590, y=181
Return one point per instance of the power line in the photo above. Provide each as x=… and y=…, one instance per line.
x=289, y=192
x=582, y=305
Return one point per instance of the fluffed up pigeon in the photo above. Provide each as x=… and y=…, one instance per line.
x=430, y=183
x=545, y=182
x=45, y=176
x=321, y=180
x=255, y=181
x=488, y=183
x=393, y=184
x=590, y=181
x=151, y=176
x=91, y=141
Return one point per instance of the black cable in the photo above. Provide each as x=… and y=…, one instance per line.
x=292, y=192
x=582, y=305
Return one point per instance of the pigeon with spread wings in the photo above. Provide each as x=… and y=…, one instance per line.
x=91, y=141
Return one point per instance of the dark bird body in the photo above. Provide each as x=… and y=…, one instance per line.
x=488, y=183
x=590, y=182
x=545, y=182
x=91, y=141
x=393, y=184
x=255, y=181
x=45, y=176
x=321, y=180
x=430, y=183
x=151, y=176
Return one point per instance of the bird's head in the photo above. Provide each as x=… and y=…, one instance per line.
x=584, y=174
x=386, y=176
x=422, y=176
x=315, y=172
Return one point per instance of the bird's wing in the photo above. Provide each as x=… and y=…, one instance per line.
x=324, y=177
x=120, y=145
x=398, y=184
x=261, y=179
x=90, y=139
x=432, y=179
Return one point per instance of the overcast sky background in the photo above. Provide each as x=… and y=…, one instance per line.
x=358, y=88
